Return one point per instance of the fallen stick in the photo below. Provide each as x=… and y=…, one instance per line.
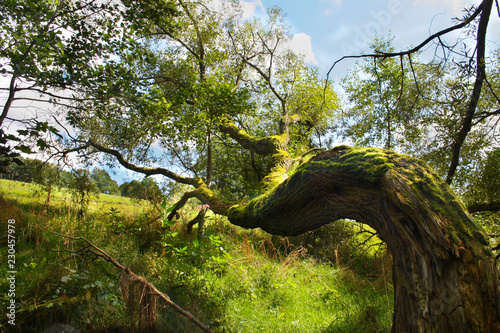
x=97, y=251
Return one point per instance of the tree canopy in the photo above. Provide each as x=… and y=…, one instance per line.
x=147, y=189
x=49, y=51
x=198, y=95
x=104, y=182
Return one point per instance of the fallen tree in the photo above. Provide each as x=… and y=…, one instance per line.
x=136, y=292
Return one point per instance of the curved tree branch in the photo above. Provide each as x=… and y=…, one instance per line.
x=476, y=93
x=263, y=146
x=202, y=192
x=196, y=182
x=467, y=21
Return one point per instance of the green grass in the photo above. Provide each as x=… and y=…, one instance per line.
x=234, y=280
x=302, y=297
x=32, y=195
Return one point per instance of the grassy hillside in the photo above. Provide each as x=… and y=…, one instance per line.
x=233, y=280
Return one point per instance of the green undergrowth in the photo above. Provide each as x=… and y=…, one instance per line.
x=336, y=279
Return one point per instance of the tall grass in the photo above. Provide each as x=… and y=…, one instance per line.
x=233, y=280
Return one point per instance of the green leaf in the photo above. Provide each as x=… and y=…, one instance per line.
x=168, y=223
x=25, y=149
x=66, y=278
x=169, y=209
x=163, y=204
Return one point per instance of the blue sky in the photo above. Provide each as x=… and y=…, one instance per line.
x=340, y=27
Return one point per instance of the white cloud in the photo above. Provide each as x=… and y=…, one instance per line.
x=249, y=7
x=301, y=43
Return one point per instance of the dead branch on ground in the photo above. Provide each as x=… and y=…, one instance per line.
x=129, y=280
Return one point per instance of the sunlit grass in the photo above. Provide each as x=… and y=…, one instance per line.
x=33, y=195
x=301, y=295
x=235, y=281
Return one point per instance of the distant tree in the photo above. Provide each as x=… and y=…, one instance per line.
x=147, y=189
x=82, y=186
x=131, y=189
x=152, y=191
x=15, y=171
x=36, y=171
x=385, y=107
x=44, y=174
x=47, y=175
x=104, y=183
x=66, y=178
x=417, y=107
x=474, y=98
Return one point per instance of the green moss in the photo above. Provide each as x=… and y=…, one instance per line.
x=275, y=178
x=361, y=163
x=246, y=215
x=423, y=192
x=453, y=234
x=369, y=164
x=280, y=156
x=205, y=191
x=279, y=140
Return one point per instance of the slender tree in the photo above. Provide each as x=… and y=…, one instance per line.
x=476, y=19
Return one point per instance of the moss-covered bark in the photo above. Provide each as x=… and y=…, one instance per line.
x=270, y=145
x=445, y=277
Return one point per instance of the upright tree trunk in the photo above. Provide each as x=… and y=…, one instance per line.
x=445, y=277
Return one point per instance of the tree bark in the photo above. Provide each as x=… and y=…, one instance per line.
x=445, y=276
x=270, y=145
x=476, y=92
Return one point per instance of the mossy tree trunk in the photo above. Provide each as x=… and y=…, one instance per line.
x=445, y=277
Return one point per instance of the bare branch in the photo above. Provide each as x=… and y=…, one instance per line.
x=476, y=93
x=125, y=270
x=378, y=54
x=182, y=201
x=144, y=170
